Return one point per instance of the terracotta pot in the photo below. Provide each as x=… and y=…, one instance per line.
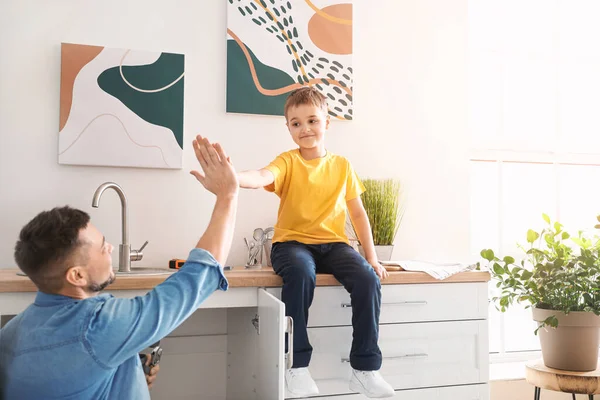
x=384, y=253
x=573, y=345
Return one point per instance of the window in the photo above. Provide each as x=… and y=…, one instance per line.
x=534, y=119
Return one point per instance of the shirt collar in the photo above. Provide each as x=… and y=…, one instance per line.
x=48, y=300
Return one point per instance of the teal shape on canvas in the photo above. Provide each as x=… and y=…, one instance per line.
x=163, y=108
x=242, y=94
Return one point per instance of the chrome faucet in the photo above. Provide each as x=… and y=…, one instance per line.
x=126, y=255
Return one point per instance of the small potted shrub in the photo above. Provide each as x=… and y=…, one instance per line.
x=382, y=204
x=559, y=279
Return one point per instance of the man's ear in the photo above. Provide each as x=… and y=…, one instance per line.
x=77, y=276
x=327, y=121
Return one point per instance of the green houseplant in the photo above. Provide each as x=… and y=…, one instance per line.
x=559, y=278
x=382, y=202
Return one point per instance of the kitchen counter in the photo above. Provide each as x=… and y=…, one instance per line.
x=10, y=282
x=442, y=324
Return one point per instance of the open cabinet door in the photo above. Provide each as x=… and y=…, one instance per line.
x=272, y=326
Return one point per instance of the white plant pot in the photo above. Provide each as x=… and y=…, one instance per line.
x=384, y=253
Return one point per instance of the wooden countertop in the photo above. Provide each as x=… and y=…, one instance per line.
x=239, y=277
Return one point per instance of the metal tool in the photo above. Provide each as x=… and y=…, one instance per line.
x=154, y=358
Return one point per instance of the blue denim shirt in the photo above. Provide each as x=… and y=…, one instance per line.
x=64, y=348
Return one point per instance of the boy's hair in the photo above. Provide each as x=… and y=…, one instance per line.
x=49, y=244
x=305, y=95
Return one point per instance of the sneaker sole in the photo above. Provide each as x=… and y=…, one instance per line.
x=292, y=395
x=357, y=387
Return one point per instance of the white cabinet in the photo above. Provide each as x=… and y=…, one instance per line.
x=433, y=337
x=233, y=350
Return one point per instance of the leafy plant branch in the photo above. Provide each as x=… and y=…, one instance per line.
x=558, y=272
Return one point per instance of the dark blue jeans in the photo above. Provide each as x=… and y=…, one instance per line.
x=298, y=263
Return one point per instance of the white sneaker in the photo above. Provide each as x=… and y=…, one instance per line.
x=371, y=384
x=299, y=383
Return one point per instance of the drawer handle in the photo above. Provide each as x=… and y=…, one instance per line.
x=397, y=303
x=413, y=355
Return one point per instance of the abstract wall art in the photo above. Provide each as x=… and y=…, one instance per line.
x=276, y=46
x=120, y=107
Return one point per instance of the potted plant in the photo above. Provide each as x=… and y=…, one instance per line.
x=382, y=204
x=559, y=278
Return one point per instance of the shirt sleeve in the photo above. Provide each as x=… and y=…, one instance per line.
x=279, y=169
x=354, y=186
x=120, y=328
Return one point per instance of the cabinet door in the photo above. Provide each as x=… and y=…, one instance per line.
x=271, y=345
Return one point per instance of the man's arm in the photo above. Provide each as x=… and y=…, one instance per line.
x=255, y=179
x=360, y=220
x=119, y=328
x=219, y=178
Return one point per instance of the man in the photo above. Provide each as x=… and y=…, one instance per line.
x=75, y=343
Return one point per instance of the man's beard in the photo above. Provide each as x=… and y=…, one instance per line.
x=95, y=287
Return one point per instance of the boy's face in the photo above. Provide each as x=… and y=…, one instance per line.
x=307, y=125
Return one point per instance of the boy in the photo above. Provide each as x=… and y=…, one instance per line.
x=317, y=189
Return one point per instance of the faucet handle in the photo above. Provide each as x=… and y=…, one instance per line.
x=136, y=255
x=144, y=245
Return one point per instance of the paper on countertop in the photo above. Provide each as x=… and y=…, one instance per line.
x=438, y=270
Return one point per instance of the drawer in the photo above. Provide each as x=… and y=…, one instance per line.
x=469, y=392
x=403, y=303
x=414, y=355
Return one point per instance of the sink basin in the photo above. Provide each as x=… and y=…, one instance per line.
x=146, y=271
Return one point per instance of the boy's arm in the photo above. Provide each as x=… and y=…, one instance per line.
x=255, y=179
x=360, y=220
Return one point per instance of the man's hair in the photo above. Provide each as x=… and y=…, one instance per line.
x=305, y=95
x=49, y=245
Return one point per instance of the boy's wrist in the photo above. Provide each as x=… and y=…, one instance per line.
x=372, y=259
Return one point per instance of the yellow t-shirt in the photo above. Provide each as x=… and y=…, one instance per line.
x=313, y=197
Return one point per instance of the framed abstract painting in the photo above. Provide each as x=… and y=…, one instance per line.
x=120, y=107
x=276, y=46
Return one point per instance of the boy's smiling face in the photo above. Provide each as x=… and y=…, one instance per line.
x=307, y=124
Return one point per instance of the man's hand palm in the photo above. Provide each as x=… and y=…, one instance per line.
x=219, y=176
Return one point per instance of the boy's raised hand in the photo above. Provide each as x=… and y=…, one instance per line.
x=219, y=176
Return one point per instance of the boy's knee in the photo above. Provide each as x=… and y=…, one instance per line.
x=369, y=282
x=302, y=273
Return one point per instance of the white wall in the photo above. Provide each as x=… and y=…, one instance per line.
x=410, y=120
